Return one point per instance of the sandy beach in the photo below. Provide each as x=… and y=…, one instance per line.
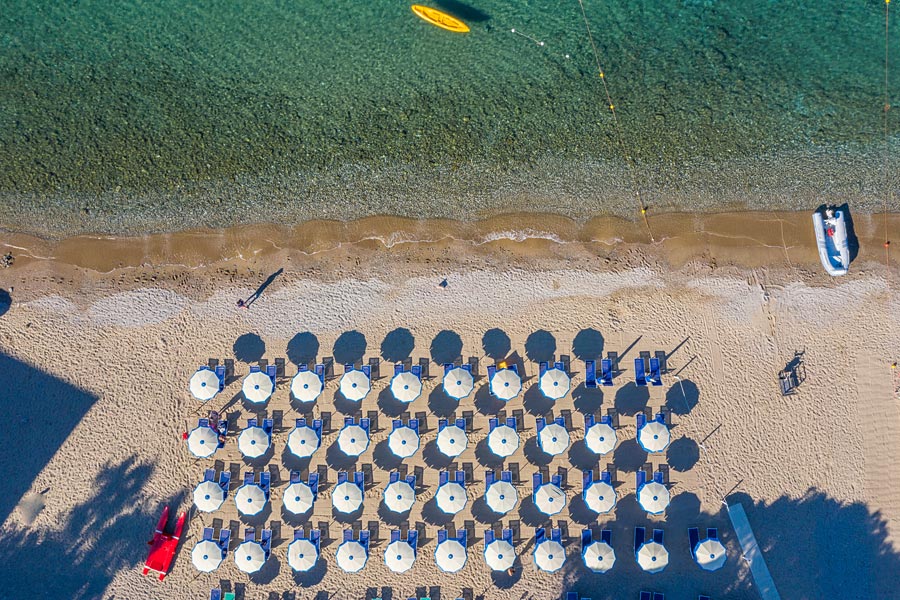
x=103, y=333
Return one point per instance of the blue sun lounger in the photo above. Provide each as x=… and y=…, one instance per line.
x=693, y=540
x=655, y=373
x=412, y=538
x=364, y=539
x=658, y=536
x=590, y=374
x=640, y=375
x=606, y=372
x=265, y=540
x=542, y=367
x=587, y=538
x=606, y=537
x=540, y=535
x=224, y=539
x=640, y=534
x=488, y=537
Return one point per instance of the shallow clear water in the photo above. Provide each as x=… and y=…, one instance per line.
x=126, y=116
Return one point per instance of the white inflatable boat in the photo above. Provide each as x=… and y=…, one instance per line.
x=831, y=237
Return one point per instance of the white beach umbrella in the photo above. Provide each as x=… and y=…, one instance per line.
x=506, y=384
x=355, y=385
x=250, y=556
x=654, y=437
x=553, y=439
x=406, y=387
x=458, y=383
x=549, y=556
x=203, y=441
x=399, y=556
x=501, y=497
x=554, y=383
x=403, y=442
x=450, y=556
x=600, y=438
x=353, y=440
x=652, y=557
x=399, y=496
x=303, y=441
x=653, y=497
x=599, y=557
x=352, y=556
x=451, y=498
x=302, y=555
x=306, y=386
x=346, y=497
x=499, y=555
x=206, y=556
x=503, y=441
x=549, y=499
x=710, y=554
x=253, y=442
x=600, y=497
x=298, y=498
x=250, y=499
x=257, y=387
x=452, y=440
x=204, y=384
x=208, y=496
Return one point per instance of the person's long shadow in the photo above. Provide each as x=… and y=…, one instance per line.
x=262, y=288
x=446, y=347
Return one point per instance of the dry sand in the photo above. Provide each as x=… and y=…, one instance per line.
x=95, y=396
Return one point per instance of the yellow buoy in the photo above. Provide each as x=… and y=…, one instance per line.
x=440, y=18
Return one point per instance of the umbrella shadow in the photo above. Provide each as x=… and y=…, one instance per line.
x=268, y=572
x=433, y=514
x=536, y=403
x=581, y=457
x=303, y=348
x=440, y=404
x=446, y=347
x=385, y=458
x=398, y=345
x=483, y=513
x=587, y=400
x=534, y=454
x=259, y=462
x=485, y=403
x=337, y=460
x=349, y=348
x=433, y=456
x=503, y=580
x=580, y=512
x=540, y=346
x=530, y=514
x=629, y=456
x=260, y=518
x=312, y=577
x=345, y=406
x=390, y=405
x=342, y=517
x=683, y=508
x=631, y=399
x=496, y=343
x=683, y=454
x=389, y=517
x=682, y=397
x=249, y=348
x=486, y=456
x=588, y=344
x=296, y=520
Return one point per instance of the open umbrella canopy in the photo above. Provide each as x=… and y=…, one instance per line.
x=600, y=497
x=549, y=499
x=298, y=498
x=399, y=496
x=503, y=441
x=450, y=556
x=600, y=438
x=654, y=437
x=499, y=555
x=303, y=441
x=652, y=557
x=208, y=496
x=250, y=556
x=353, y=440
x=452, y=440
x=451, y=498
x=257, y=387
x=253, y=442
x=406, y=387
x=352, y=556
x=710, y=554
x=203, y=441
x=506, y=384
x=346, y=497
x=554, y=383
x=501, y=497
x=403, y=442
x=204, y=384
x=399, y=556
x=355, y=385
x=306, y=386
x=549, y=556
x=458, y=383
x=653, y=497
x=302, y=555
x=250, y=499
x=206, y=556
x=553, y=439
x=599, y=557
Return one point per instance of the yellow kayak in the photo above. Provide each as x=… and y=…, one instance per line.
x=440, y=19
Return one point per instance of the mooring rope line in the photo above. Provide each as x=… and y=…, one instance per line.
x=621, y=138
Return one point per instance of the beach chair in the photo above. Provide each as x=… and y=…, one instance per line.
x=564, y=363
x=659, y=596
x=693, y=540
x=268, y=425
x=325, y=417
x=472, y=366
x=469, y=470
x=341, y=477
x=209, y=475
x=506, y=476
x=562, y=475
x=606, y=372
x=348, y=535
x=249, y=478
x=493, y=423
x=319, y=370
x=640, y=375
x=488, y=537
x=514, y=473
x=469, y=527
x=441, y=536
x=424, y=365
x=556, y=536
x=462, y=537
x=612, y=416
x=368, y=477
x=328, y=365
x=366, y=426
x=448, y=367
x=542, y=368
x=515, y=530
x=539, y=424
x=658, y=536
x=255, y=368
x=412, y=538
x=215, y=594
x=414, y=425
x=359, y=478
x=587, y=538
x=590, y=374
x=606, y=536
x=646, y=596
x=488, y=478
x=315, y=537
x=491, y=371
x=208, y=534
x=556, y=480
x=374, y=528
x=322, y=474
x=265, y=482
x=422, y=421
x=375, y=368
x=224, y=539
x=265, y=540
x=395, y=535
x=660, y=356
x=712, y=533
x=279, y=367
x=641, y=420
x=411, y=480
x=540, y=535
x=250, y=534
x=537, y=481
x=587, y=479
x=469, y=417
x=323, y=530
x=639, y=535
x=364, y=539
x=299, y=534
x=443, y=477
x=417, y=371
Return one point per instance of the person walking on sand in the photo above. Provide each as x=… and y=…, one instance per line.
x=242, y=304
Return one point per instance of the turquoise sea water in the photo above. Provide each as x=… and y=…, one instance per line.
x=135, y=116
